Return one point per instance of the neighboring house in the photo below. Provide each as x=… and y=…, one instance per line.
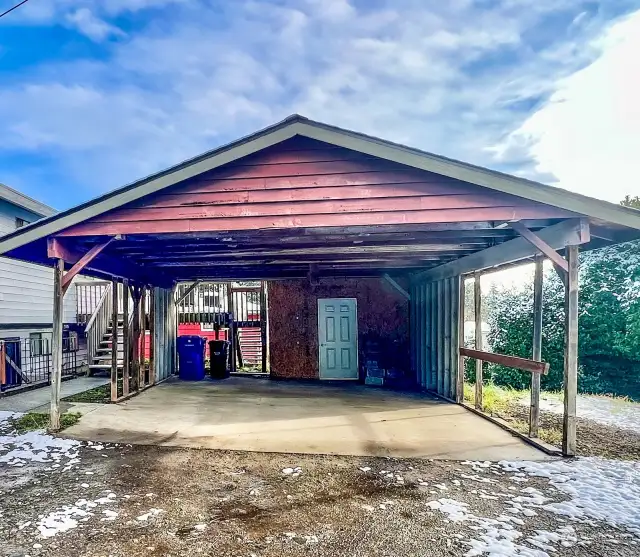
x=26, y=299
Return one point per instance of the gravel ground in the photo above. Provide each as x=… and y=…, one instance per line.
x=174, y=502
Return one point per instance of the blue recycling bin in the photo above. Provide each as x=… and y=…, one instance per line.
x=191, y=357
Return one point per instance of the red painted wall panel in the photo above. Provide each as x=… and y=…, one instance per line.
x=302, y=183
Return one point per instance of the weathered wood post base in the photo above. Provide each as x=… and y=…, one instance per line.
x=534, y=414
x=570, y=354
x=56, y=345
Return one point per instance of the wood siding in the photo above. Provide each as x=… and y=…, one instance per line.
x=305, y=183
x=383, y=318
x=26, y=290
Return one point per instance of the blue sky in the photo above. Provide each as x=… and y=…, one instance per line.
x=98, y=93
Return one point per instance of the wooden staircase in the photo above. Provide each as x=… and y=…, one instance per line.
x=250, y=345
x=101, y=361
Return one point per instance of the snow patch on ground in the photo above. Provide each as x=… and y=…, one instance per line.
x=606, y=490
x=34, y=446
x=604, y=410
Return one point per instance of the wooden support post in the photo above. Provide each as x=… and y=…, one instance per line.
x=460, y=376
x=263, y=326
x=477, y=302
x=152, y=333
x=126, y=338
x=135, y=337
x=570, y=354
x=114, y=342
x=56, y=345
x=143, y=339
x=534, y=414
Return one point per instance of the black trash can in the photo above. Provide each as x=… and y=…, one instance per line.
x=218, y=351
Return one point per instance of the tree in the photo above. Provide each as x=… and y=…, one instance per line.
x=609, y=324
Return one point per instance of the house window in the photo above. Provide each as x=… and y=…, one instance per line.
x=35, y=344
x=21, y=222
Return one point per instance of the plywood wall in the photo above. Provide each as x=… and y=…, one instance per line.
x=383, y=316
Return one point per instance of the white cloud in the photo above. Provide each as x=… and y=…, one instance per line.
x=201, y=74
x=588, y=134
x=93, y=27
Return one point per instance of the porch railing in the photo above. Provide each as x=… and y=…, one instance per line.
x=88, y=296
x=27, y=362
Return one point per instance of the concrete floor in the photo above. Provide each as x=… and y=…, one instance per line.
x=261, y=415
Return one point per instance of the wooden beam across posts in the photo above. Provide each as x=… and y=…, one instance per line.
x=509, y=361
x=534, y=413
x=570, y=354
x=477, y=306
x=188, y=291
x=114, y=341
x=399, y=288
x=540, y=244
x=56, y=345
x=558, y=236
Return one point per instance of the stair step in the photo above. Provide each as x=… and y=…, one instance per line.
x=103, y=366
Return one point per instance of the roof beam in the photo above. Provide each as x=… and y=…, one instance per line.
x=399, y=288
x=105, y=266
x=567, y=233
x=539, y=243
x=82, y=263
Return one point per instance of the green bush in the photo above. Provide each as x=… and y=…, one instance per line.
x=609, y=325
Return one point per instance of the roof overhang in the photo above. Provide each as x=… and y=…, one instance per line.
x=611, y=223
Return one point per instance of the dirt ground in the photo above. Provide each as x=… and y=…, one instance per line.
x=593, y=438
x=179, y=502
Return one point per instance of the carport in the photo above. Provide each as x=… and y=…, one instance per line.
x=306, y=201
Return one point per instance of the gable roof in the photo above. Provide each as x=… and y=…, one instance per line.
x=25, y=202
x=373, y=146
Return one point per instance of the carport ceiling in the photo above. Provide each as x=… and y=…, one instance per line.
x=291, y=253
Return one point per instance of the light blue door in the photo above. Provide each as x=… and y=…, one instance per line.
x=338, y=338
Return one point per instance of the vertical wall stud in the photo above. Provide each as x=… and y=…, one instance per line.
x=152, y=334
x=440, y=333
x=477, y=300
x=427, y=337
x=446, y=332
x=570, y=354
x=126, y=338
x=433, y=332
x=534, y=414
x=460, y=342
x=56, y=345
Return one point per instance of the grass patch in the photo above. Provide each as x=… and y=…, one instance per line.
x=494, y=399
x=101, y=395
x=33, y=421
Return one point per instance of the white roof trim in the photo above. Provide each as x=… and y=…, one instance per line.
x=16, y=198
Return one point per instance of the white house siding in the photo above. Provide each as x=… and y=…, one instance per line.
x=26, y=299
x=26, y=294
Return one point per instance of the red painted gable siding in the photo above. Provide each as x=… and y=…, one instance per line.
x=305, y=183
